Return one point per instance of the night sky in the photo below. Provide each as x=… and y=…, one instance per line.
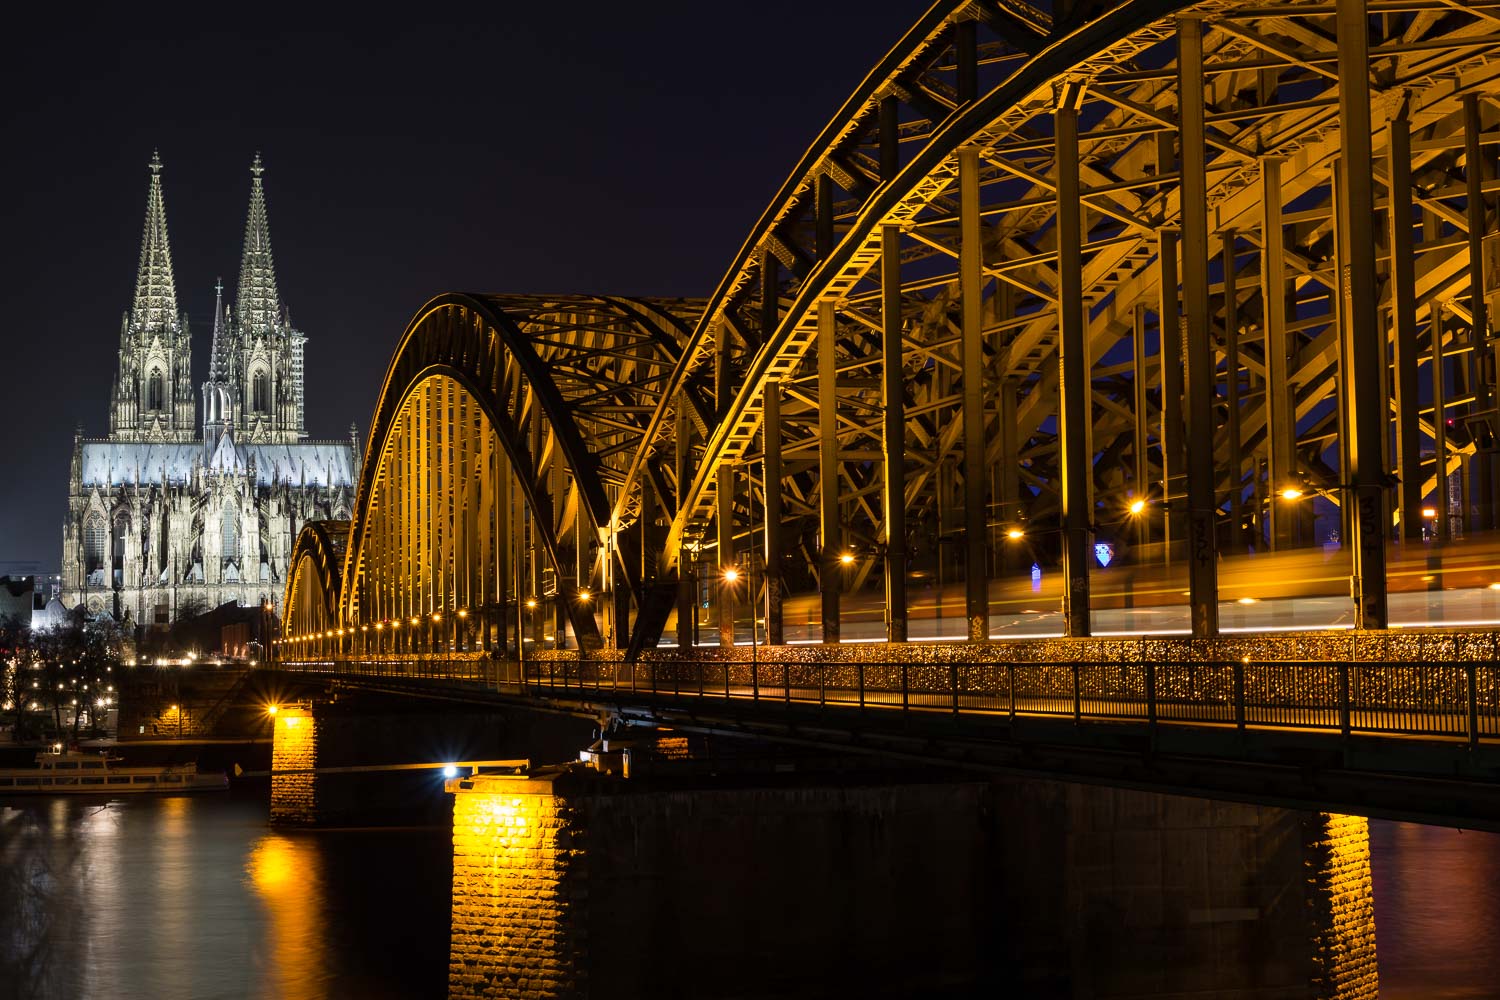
x=626, y=149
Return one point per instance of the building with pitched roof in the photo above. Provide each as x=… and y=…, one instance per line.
x=168, y=513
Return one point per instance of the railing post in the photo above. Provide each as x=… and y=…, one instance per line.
x=1344, y=715
x=822, y=685
x=1151, y=695
x=953, y=681
x=861, y=674
x=786, y=683
x=905, y=690
x=1077, y=696
x=1239, y=694
x=1010, y=673
x=755, y=681
x=1471, y=673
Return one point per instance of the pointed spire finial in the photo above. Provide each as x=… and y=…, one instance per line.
x=218, y=363
x=258, y=306
x=155, y=306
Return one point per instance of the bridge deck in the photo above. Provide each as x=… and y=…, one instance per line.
x=1417, y=735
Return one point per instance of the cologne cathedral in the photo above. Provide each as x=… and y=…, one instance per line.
x=167, y=516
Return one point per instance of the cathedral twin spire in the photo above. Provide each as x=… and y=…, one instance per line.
x=155, y=292
x=154, y=393
x=258, y=304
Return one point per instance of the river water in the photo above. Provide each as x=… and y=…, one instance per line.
x=192, y=898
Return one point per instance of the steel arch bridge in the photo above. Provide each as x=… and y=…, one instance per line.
x=1130, y=273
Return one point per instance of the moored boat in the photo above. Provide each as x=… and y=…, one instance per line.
x=69, y=772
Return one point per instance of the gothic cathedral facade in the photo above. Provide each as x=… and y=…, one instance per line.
x=167, y=516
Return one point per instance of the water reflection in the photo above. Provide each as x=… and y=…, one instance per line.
x=191, y=897
x=1437, y=901
x=287, y=875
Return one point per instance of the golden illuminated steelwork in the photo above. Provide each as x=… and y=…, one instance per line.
x=968, y=309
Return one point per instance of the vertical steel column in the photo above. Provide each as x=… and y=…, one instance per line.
x=1477, y=211
x=1140, y=407
x=890, y=138
x=725, y=522
x=1010, y=450
x=497, y=465
x=771, y=446
x=970, y=280
x=892, y=386
x=686, y=599
x=1169, y=332
x=1364, y=404
x=1442, y=528
x=492, y=547
x=1404, y=325
x=1281, y=430
x=1073, y=384
x=1202, y=506
x=770, y=301
x=1232, y=396
x=1140, y=410
x=830, y=535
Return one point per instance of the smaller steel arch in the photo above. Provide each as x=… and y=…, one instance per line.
x=319, y=548
x=477, y=341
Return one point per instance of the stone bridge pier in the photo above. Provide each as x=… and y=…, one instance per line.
x=568, y=883
x=349, y=759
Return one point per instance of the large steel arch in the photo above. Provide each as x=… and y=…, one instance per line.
x=484, y=392
x=1034, y=376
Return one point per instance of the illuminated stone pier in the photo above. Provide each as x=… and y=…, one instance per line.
x=570, y=885
x=367, y=760
x=294, y=754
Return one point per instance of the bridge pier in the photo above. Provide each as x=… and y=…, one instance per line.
x=569, y=884
x=374, y=759
x=294, y=756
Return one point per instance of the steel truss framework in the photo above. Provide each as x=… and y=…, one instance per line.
x=1189, y=254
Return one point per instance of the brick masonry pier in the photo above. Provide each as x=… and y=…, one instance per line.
x=569, y=885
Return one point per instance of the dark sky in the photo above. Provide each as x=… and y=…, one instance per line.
x=571, y=147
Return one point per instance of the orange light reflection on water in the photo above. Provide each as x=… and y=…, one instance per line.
x=286, y=874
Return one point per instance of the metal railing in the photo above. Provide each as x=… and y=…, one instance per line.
x=1454, y=700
